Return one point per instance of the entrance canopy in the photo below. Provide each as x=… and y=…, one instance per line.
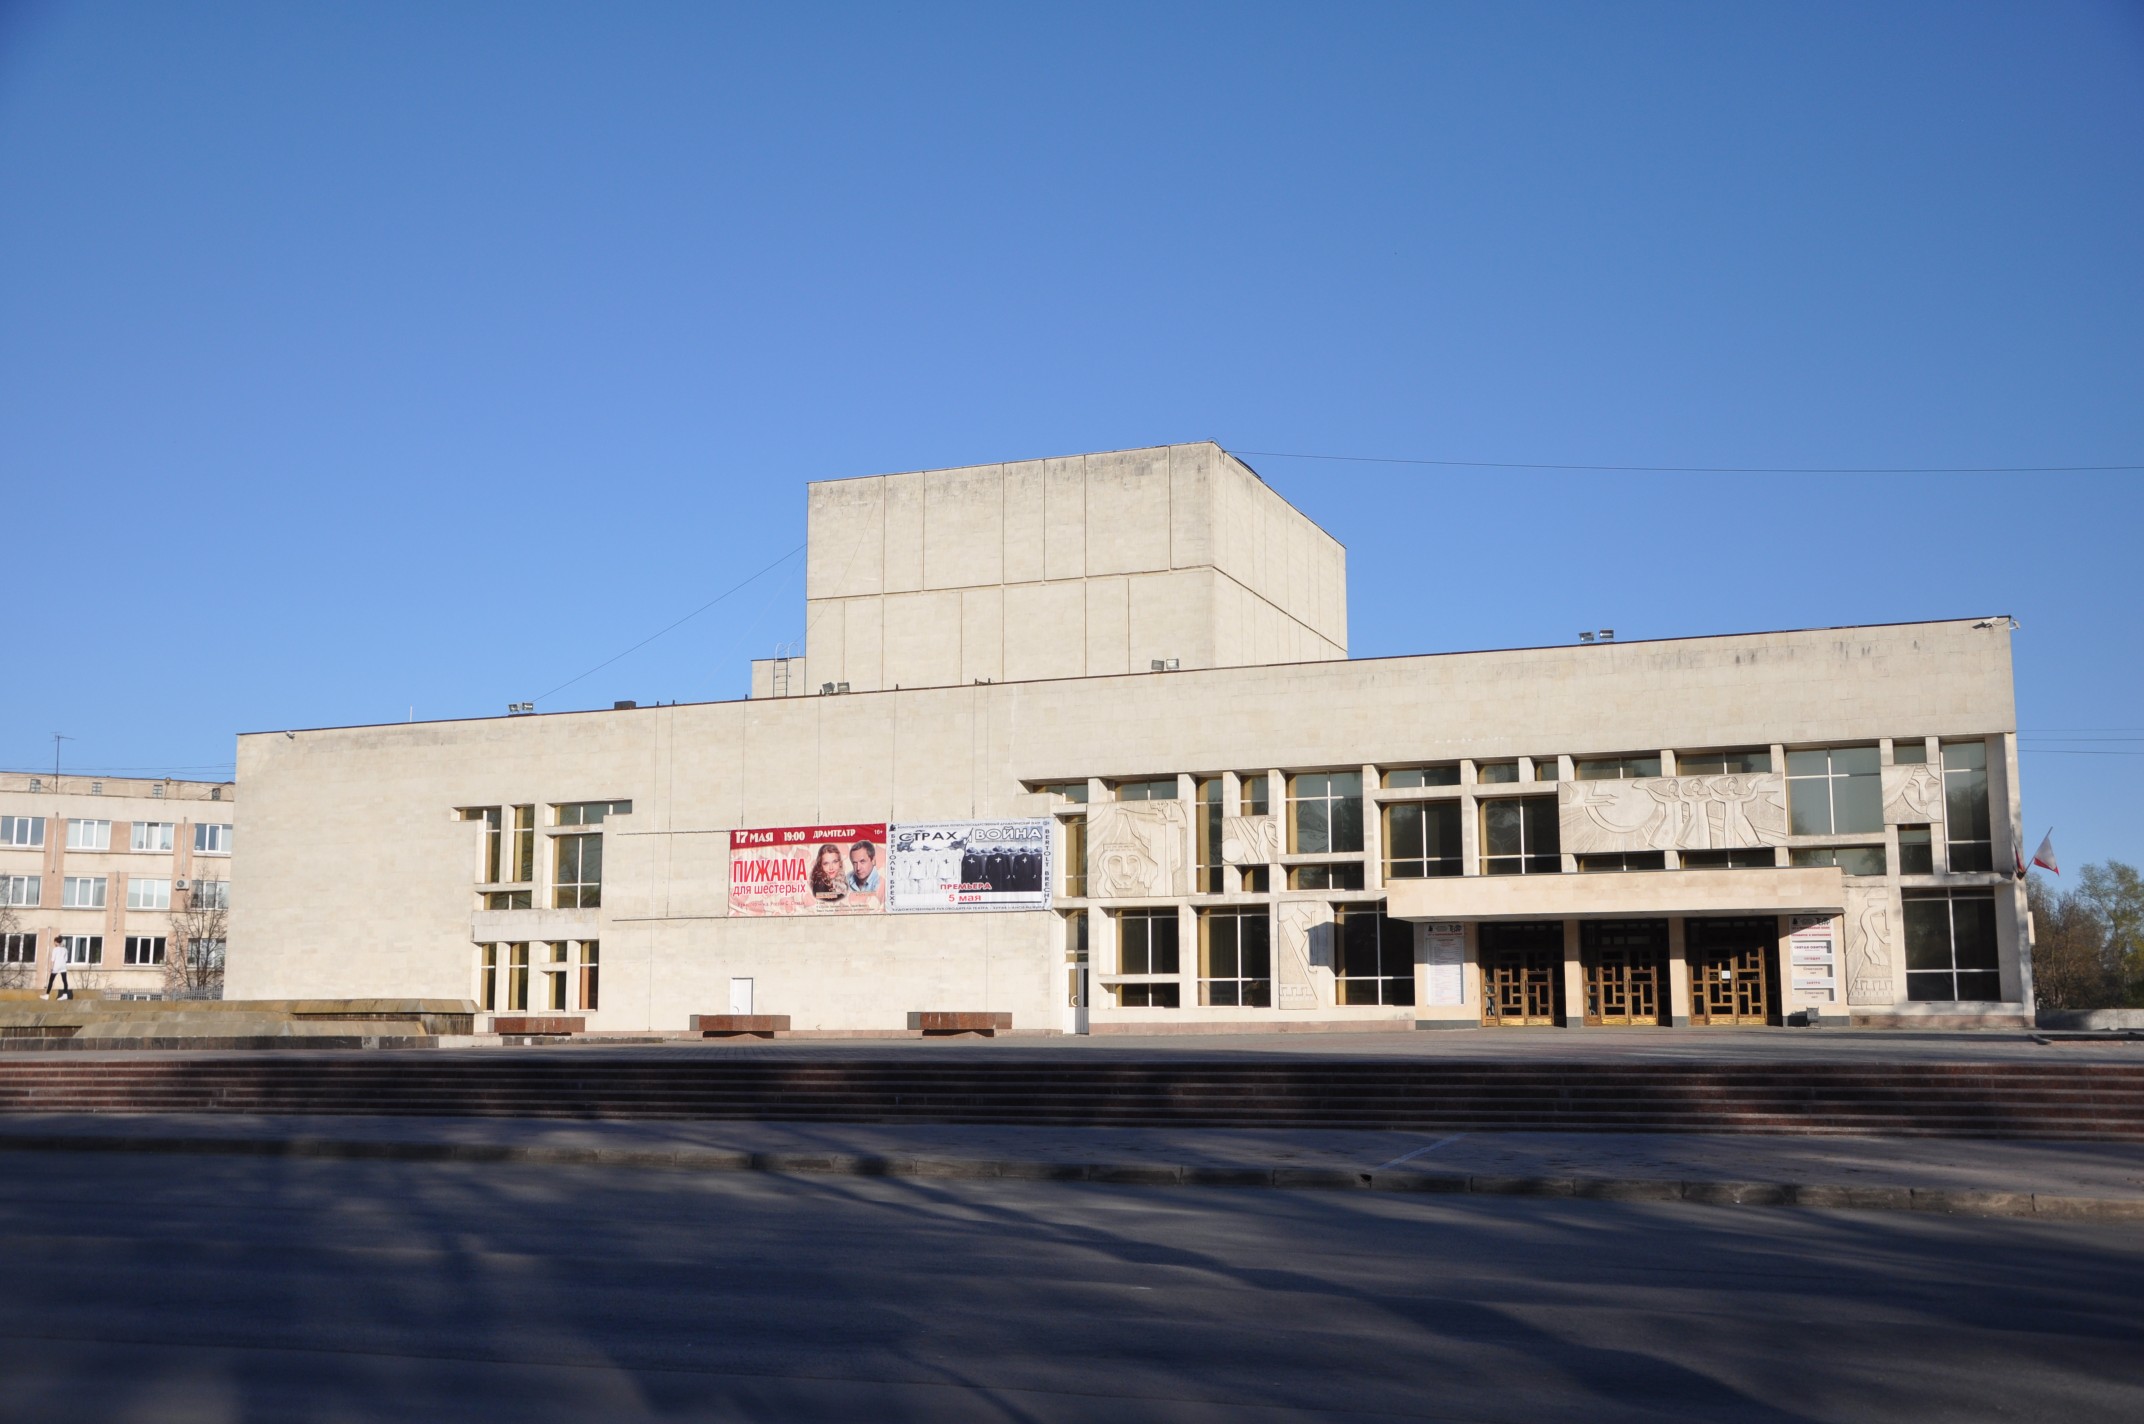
x=1620, y=894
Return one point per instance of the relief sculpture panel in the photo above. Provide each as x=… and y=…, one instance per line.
x=1250, y=840
x=1306, y=934
x=1912, y=796
x=1732, y=812
x=1871, y=945
x=1137, y=849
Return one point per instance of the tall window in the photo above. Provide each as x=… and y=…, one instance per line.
x=146, y=894
x=494, y=819
x=1916, y=851
x=591, y=973
x=1401, y=777
x=1623, y=768
x=1161, y=788
x=89, y=835
x=517, y=978
x=590, y=813
x=556, y=975
x=82, y=892
x=153, y=835
x=1834, y=791
x=1741, y=763
x=1375, y=956
x=18, y=948
x=487, y=969
x=1251, y=792
x=1325, y=812
x=1950, y=947
x=1146, y=944
x=1518, y=836
x=145, y=949
x=1965, y=806
x=524, y=844
x=1075, y=855
x=22, y=832
x=1235, y=958
x=578, y=883
x=211, y=839
x=22, y=891
x=1208, y=798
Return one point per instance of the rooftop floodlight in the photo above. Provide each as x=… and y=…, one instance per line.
x=1585, y=637
x=1607, y=635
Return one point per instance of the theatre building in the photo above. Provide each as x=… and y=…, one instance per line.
x=1078, y=741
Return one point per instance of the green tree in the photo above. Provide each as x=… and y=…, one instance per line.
x=2115, y=893
x=2071, y=965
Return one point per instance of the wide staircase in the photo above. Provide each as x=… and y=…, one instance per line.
x=2076, y=1100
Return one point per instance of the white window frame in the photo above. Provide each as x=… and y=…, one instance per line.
x=19, y=948
x=22, y=832
x=212, y=838
x=156, y=945
x=211, y=895
x=89, y=835
x=71, y=896
x=148, y=893
x=83, y=949
x=22, y=892
x=146, y=831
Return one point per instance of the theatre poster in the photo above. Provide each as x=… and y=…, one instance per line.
x=970, y=865
x=808, y=870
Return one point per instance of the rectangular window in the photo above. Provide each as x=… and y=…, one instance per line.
x=494, y=844
x=517, y=978
x=18, y=949
x=83, y=949
x=589, y=813
x=1149, y=996
x=1909, y=751
x=1747, y=762
x=1422, y=840
x=591, y=973
x=1834, y=791
x=524, y=845
x=1161, y=788
x=1235, y=959
x=1753, y=858
x=1950, y=947
x=1251, y=792
x=1146, y=942
x=89, y=835
x=1623, y=768
x=1207, y=795
x=578, y=883
x=1965, y=806
x=1490, y=773
x=146, y=894
x=1325, y=812
x=25, y=892
x=1072, y=791
x=22, y=832
x=509, y=899
x=1344, y=876
x=153, y=835
x=1075, y=855
x=1545, y=768
x=82, y=892
x=1374, y=956
x=205, y=955
x=1623, y=860
x=555, y=976
x=1916, y=851
x=1256, y=879
x=487, y=969
x=1402, y=777
x=210, y=839
x=1854, y=860
x=145, y=949
x=211, y=895
x=1519, y=837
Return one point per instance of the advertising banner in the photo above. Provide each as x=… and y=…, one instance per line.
x=971, y=865
x=808, y=870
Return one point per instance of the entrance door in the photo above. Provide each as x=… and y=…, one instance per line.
x=1626, y=970
x=740, y=996
x=1521, y=974
x=1076, y=981
x=1731, y=970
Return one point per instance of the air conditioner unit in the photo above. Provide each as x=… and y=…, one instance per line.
x=179, y=885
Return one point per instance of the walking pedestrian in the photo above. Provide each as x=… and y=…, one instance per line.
x=62, y=960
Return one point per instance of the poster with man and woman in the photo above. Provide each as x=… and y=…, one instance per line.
x=868, y=869
x=809, y=870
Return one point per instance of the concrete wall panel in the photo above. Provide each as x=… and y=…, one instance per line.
x=1108, y=615
x=963, y=527
x=1045, y=631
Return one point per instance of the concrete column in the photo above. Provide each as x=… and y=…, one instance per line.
x=1187, y=955
x=1373, y=833
x=1678, y=975
x=1574, y=978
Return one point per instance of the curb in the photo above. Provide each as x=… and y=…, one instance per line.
x=1957, y=1201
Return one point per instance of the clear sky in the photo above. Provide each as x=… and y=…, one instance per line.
x=362, y=358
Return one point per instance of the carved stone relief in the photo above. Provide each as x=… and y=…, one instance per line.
x=1871, y=945
x=1732, y=812
x=1912, y=795
x=1136, y=849
x=1306, y=949
x=1250, y=840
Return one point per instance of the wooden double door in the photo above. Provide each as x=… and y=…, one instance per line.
x=1733, y=970
x=1521, y=974
x=1626, y=971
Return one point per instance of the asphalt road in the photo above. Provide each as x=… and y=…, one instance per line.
x=181, y=1288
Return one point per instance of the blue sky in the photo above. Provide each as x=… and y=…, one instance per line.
x=356, y=358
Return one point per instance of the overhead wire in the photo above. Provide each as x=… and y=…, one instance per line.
x=1703, y=469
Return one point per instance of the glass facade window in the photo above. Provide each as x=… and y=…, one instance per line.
x=1854, y=860
x=1622, y=768
x=1400, y=778
x=1834, y=791
x=1950, y=947
x=509, y=899
x=517, y=978
x=1916, y=851
x=1489, y=773
x=523, y=864
x=1746, y=762
x=89, y=835
x=487, y=969
x=22, y=832
x=1422, y=840
x=1344, y=876
x=1147, y=944
x=1545, y=769
x=578, y=881
x=1253, y=795
x=591, y=974
x=1235, y=959
x=1257, y=879
x=1207, y=874
x=1073, y=791
x=1624, y=860
x=1965, y=806
x=1519, y=837
x=1161, y=788
x=494, y=844
x=1750, y=858
x=1909, y=751
x=152, y=835
x=1075, y=855
x=589, y=813
x=1373, y=956
x=1325, y=812
x=556, y=976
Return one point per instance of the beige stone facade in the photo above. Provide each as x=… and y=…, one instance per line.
x=1268, y=834
x=112, y=863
